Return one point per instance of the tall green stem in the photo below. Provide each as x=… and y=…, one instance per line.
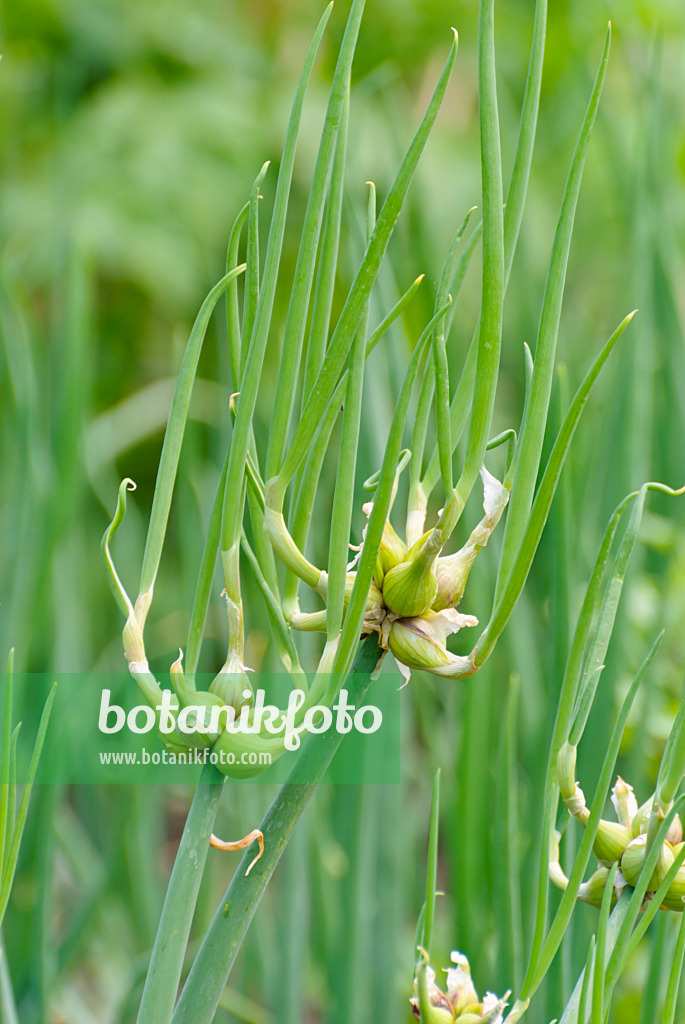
x=225, y=935
x=166, y=963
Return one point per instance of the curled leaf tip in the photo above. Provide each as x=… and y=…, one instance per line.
x=241, y=844
x=654, y=485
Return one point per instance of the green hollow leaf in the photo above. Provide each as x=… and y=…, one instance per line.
x=598, y=994
x=353, y=309
x=251, y=294
x=586, y=979
x=432, y=865
x=343, y=499
x=173, y=437
x=232, y=312
x=532, y=433
x=440, y=366
x=542, y=504
x=224, y=937
x=205, y=577
x=490, y=327
x=256, y=344
x=674, y=977
x=576, y=1009
x=306, y=487
x=379, y=513
x=460, y=406
x=300, y=294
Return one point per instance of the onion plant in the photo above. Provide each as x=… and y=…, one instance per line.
x=407, y=589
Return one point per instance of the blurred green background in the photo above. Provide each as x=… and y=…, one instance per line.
x=131, y=136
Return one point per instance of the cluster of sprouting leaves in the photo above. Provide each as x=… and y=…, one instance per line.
x=406, y=589
x=405, y=586
x=412, y=603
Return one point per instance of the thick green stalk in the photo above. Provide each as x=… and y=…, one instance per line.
x=225, y=935
x=168, y=953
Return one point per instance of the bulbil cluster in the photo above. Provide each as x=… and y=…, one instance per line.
x=458, y=1001
x=622, y=842
x=413, y=598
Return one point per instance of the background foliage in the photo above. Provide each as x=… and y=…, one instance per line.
x=132, y=136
